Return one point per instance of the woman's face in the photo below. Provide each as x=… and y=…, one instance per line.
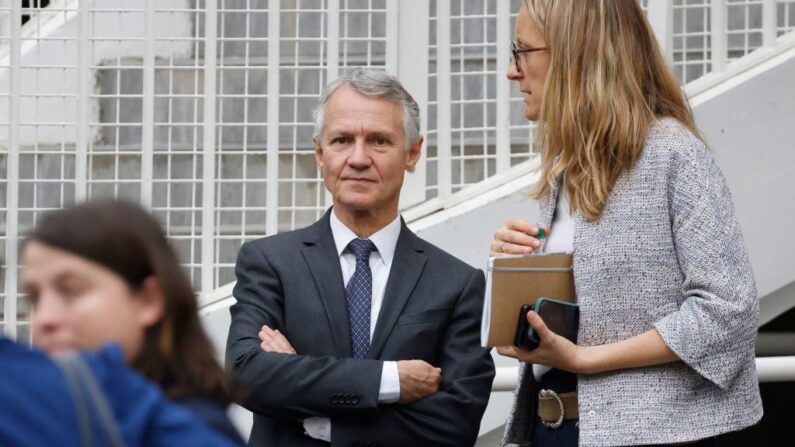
x=78, y=304
x=533, y=66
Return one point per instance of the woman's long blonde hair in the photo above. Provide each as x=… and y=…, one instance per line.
x=607, y=83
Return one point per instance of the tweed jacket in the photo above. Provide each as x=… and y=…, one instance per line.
x=666, y=253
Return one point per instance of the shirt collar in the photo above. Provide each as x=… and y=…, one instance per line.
x=385, y=239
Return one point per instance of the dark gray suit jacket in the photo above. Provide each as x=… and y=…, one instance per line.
x=431, y=311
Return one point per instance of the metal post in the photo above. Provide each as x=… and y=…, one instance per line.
x=332, y=59
x=661, y=18
x=12, y=201
x=503, y=87
x=148, y=106
x=83, y=81
x=272, y=182
x=412, y=38
x=443, y=95
x=393, y=35
x=769, y=25
x=718, y=33
x=208, y=151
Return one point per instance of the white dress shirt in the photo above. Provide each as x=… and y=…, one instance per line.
x=561, y=239
x=385, y=241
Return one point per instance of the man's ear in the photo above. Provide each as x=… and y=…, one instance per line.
x=151, y=302
x=319, y=155
x=413, y=155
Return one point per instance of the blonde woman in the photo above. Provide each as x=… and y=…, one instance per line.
x=669, y=309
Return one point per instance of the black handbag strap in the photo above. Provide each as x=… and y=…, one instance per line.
x=89, y=398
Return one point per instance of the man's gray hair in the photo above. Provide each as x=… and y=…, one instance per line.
x=377, y=84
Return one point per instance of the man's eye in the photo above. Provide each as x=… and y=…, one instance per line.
x=340, y=140
x=381, y=142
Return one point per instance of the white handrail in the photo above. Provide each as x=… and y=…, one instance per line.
x=768, y=369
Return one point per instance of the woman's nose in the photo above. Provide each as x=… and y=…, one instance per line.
x=513, y=73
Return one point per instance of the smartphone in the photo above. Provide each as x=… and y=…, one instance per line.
x=560, y=317
x=523, y=329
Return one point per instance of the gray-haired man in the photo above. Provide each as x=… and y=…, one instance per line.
x=354, y=331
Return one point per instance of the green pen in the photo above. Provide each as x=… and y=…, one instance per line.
x=541, y=236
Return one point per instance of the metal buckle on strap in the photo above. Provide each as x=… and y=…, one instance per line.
x=559, y=421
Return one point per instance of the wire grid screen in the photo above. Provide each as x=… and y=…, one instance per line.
x=47, y=127
x=241, y=130
x=363, y=37
x=473, y=83
x=145, y=112
x=785, y=16
x=744, y=27
x=691, y=36
x=5, y=127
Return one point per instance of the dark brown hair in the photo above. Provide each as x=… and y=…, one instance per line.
x=176, y=353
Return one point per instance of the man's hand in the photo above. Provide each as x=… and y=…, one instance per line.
x=274, y=341
x=418, y=380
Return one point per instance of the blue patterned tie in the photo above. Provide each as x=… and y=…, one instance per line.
x=359, y=294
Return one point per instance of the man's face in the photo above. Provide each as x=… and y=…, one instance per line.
x=362, y=152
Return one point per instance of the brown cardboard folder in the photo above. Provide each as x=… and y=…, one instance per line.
x=512, y=281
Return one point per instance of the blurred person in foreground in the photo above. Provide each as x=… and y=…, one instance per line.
x=103, y=272
x=668, y=306
x=354, y=331
x=38, y=409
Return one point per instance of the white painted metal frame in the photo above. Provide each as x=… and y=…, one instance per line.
x=208, y=273
x=274, y=51
x=403, y=47
x=12, y=175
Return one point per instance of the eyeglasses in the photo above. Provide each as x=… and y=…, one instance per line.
x=515, y=52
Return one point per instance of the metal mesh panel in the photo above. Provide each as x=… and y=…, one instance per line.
x=744, y=27
x=201, y=109
x=785, y=14
x=691, y=37
x=242, y=102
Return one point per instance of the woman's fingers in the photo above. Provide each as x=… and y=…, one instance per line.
x=517, y=237
x=544, y=333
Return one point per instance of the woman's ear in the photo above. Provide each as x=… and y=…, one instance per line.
x=151, y=302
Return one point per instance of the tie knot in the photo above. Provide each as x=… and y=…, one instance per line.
x=362, y=248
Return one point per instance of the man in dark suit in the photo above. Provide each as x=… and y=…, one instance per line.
x=354, y=331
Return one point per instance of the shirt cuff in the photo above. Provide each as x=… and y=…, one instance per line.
x=318, y=428
x=389, y=392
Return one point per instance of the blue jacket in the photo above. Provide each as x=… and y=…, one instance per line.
x=36, y=408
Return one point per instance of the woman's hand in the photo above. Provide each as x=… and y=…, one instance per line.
x=517, y=237
x=553, y=350
x=646, y=349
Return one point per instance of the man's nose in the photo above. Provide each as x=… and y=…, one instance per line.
x=360, y=157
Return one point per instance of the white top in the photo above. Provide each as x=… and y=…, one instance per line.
x=385, y=241
x=561, y=239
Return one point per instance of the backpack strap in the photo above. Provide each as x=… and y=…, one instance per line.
x=88, y=396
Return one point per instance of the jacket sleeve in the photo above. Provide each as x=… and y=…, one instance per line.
x=282, y=385
x=451, y=416
x=714, y=330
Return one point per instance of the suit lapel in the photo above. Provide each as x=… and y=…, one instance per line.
x=406, y=268
x=320, y=254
